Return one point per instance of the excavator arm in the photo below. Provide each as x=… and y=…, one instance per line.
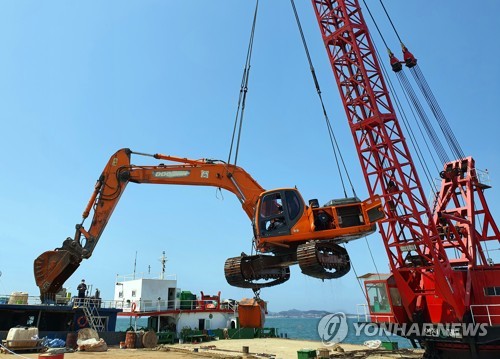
x=53, y=268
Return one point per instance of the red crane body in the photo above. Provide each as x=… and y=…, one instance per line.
x=433, y=287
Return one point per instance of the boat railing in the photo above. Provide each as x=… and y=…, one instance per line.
x=142, y=305
x=485, y=313
x=17, y=299
x=136, y=276
x=362, y=312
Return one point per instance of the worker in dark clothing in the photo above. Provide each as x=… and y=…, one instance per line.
x=82, y=289
x=97, y=298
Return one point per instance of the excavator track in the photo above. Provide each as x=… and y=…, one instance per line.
x=323, y=259
x=247, y=271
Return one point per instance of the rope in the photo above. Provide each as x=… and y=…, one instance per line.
x=404, y=117
x=436, y=110
x=365, y=294
x=438, y=146
x=408, y=127
x=11, y=352
x=390, y=20
x=429, y=96
x=376, y=25
x=331, y=134
x=416, y=103
x=238, y=121
x=406, y=124
x=371, y=255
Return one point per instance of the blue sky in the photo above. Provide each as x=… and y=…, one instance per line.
x=79, y=80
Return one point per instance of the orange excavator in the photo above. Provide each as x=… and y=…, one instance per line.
x=285, y=228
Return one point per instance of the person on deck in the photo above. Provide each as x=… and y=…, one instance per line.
x=82, y=289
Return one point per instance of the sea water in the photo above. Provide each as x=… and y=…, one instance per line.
x=295, y=328
x=307, y=329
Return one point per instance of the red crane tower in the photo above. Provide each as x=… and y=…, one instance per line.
x=428, y=283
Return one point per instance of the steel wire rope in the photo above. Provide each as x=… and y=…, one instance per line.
x=438, y=146
x=371, y=255
x=329, y=126
x=12, y=352
x=424, y=138
x=430, y=130
x=365, y=294
x=406, y=123
x=238, y=121
x=333, y=139
x=434, y=106
x=478, y=219
x=415, y=144
x=431, y=99
x=385, y=43
x=438, y=113
x=390, y=20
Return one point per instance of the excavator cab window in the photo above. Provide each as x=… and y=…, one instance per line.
x=279, y=211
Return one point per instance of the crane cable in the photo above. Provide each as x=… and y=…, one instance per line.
x=402, y=112
x=365, y=294
x=390, y=20
x=436, y=110
x=407, y=125
x=333, y=139
x=438, y=147
x=431, y=133
x=238, y=121
x=420, y=80
x=405, y=121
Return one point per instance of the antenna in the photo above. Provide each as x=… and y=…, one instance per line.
x=163, y=260
x=135, y=262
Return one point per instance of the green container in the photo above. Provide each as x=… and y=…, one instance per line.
x=247, y=333
x=187, y=299
x=306, y=353
x=241, y=333
x=219, y=333
x=390, y=345
x=166, y=337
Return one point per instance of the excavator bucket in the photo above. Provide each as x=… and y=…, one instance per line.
x=52, y=268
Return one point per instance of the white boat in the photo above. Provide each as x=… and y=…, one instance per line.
x=172, y=309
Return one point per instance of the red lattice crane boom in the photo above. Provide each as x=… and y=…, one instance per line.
x=441, y=273
x=385, y=159
x=433, y=286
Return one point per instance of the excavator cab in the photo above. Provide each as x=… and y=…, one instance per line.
x=278, y=212
x=282, y=219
